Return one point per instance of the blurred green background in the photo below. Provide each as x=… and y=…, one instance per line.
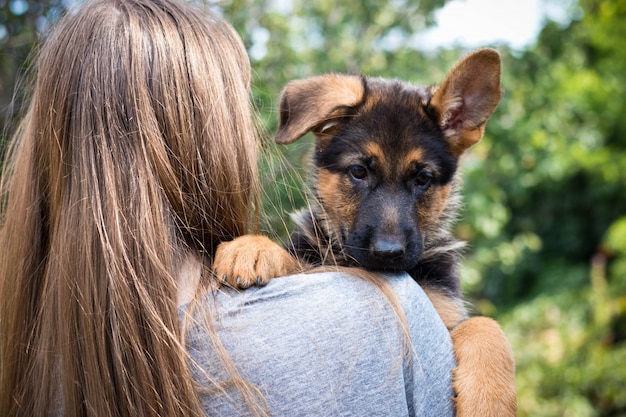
x=545, y=190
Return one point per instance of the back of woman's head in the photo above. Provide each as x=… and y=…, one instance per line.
x=147, y=91
x=137, y=146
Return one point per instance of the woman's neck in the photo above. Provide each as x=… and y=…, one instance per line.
x=189, y=275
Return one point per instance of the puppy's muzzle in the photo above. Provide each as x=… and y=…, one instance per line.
x=388, y=250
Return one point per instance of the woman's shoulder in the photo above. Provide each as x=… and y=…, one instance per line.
x=326, y=304
x=330, y=290
x=325, y=337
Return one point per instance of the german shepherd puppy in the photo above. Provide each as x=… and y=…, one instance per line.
x=386, y=188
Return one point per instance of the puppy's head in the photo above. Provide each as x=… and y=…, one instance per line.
x=387, y=153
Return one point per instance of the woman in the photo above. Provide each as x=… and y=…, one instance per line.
x=135, y=159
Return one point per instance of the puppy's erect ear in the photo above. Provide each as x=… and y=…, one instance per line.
x=316, y=104
x=467, y=98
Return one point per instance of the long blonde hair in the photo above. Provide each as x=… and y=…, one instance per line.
x=137, y=147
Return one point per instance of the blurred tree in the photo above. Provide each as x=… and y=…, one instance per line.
x=21, y=23
x=546, y=213
x=549, y=180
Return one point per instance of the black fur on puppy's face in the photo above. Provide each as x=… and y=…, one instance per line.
x=384, y=175
x=387, y=153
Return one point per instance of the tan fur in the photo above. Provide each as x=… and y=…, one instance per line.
x=374, y=150
x=451, y=310
x=338, y=206
x=468, y=89
x=252, y=260
x=430, y=214
x=379, y=157
x=482, y=378
x=416, y=155
x=337, y=93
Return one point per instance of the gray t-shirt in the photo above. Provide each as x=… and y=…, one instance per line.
x=327, y=344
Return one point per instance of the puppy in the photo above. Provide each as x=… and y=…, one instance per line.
x=386, y=195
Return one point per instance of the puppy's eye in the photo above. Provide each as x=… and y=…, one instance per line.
x=358, y=172
x=423, y=179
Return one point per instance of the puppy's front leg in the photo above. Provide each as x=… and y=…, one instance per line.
x=484, y=379
x=252, y=260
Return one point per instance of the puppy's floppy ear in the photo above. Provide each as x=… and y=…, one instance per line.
x=467, y=98
x=316, y=104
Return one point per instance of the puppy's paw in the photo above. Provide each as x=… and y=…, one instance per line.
x=252, y=260
x=484, y=379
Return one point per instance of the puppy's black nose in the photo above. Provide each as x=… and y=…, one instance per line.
x=389, y=250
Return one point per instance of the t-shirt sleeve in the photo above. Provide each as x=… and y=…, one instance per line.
x=326, y=344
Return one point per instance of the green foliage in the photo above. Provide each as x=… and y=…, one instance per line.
x=548, y=181
x=570, y=352
x=21, y=24
x=547, y=216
